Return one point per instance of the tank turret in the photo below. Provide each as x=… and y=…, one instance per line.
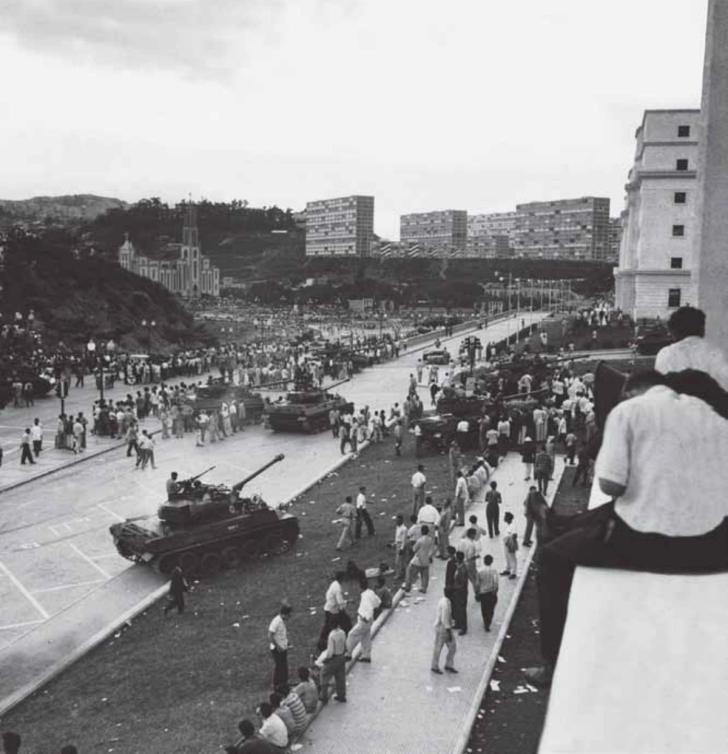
x=202, y=527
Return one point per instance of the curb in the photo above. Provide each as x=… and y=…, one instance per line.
x=461, y=743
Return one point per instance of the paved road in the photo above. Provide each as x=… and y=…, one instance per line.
x=54, y=543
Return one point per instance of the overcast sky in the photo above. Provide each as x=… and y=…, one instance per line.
x=465, y=104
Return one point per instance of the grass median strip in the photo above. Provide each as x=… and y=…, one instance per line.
x=182, y=683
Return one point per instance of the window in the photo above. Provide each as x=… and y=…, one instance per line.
x=673, y=298
x=683, y=132
x=678, y=231
x=681, y=197
x=676, y=263
x=681, y=164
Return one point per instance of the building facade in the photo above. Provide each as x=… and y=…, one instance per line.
x=184, y=271
x=342, y=227
x=493, y=224
x=657, y=251
x=445, y=228
x=563, y=229
x=615, y=238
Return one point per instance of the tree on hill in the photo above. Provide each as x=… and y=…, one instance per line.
x=77, y=294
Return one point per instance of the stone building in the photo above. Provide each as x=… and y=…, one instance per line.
x=657, y=252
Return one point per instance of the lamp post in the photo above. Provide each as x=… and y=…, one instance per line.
x=149, y=324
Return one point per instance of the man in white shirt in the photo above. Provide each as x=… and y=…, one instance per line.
x=444, y=635
x=362, y=631
x=36, y=436
x=273, y=728
x=428, y=514
x=362, y=514
x=334, y=605
x=419, y=481
x=662, y=450
x=278, y=640
x=692, y=351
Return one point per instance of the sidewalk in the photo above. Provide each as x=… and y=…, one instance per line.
x=397, y=704
x=13, y=474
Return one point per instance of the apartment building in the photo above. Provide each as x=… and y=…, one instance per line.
x=445, y=228
x=342, y=227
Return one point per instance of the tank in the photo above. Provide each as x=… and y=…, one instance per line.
x=438, y=356
x=41, y=385
x=206, y=527
x=210, y=397
x=305, y=410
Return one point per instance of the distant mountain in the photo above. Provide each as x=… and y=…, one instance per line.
x=57, y=210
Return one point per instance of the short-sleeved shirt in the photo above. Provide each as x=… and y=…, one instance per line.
x=694, y=352
x=275, y=731
x=418, y=480
x=280, y=632
x=308, y=694
x=493, y=497
x=669, y=451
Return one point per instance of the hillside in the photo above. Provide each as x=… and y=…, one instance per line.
x=76, y=297
x=60, y=210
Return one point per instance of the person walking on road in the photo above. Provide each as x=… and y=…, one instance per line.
x=397, y=433
x=542, y=470
x=177, y=587
x=348, y=515
x=420, y=564
x=362, y=631
x=25, y=445
x=132, y=440
x=362, y=514
x=279, y=646
x=444, y=634
x=487, y=591
x=419, y=482
x=36, y=435
x=334, y=662
x=510, y=545
x=493, y=501
x=459, y=595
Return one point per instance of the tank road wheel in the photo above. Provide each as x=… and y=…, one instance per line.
x=167, y=564
x=231, y=557
x=189, y=562
x=250, y=549
x=275, y=544
x=211, y=564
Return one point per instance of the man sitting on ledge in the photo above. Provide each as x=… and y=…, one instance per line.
x=662, y=461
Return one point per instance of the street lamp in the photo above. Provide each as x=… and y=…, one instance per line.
x=149, y=324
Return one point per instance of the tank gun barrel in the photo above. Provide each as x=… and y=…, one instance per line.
x=195, y=478
x=237, y=487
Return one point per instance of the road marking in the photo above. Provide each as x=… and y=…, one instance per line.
x=89, y=561
x=67, y=586
x=110, y=512
x=20, y=625
x=33, y=601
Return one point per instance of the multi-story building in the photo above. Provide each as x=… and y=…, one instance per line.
x=615, y=238
x=446, y=228
x=492, y=224
x=657, y=252
x=563, y=229
x=341, y=227
x=183, y=270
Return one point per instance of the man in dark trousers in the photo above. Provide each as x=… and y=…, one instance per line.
x=362, y=514
x=278, y=639
x=493, y=501
x=25, y=444
x=177, y=588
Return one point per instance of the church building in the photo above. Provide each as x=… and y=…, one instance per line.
x=183, y=270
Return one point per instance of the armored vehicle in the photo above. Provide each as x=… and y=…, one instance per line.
x=204, y=527
x=41, y=385
x=305, y=410
x=436, y=356
x=439, y=430
x=211, y=397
